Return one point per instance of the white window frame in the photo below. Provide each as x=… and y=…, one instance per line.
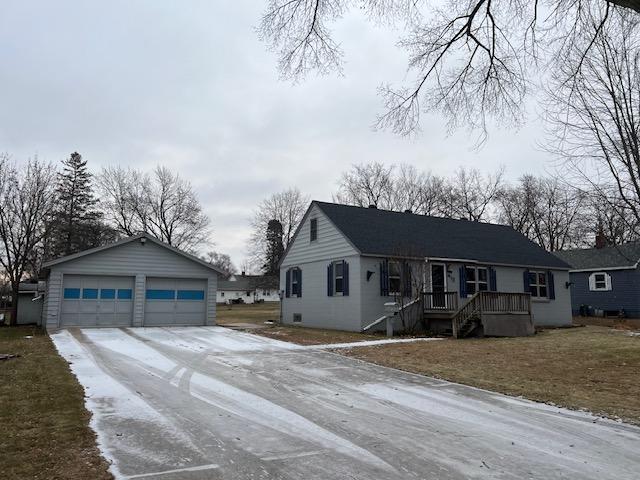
x=311, y=223
x=294, y=281
x=476, y=282
x=537, y=285
x=593, y=282
x=336, y=277
x=392, y=292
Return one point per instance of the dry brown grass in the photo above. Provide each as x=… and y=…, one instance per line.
x=592, y=368
x=261, y=312
x=44, y=431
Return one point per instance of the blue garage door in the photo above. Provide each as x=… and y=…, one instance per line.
x=175, y=301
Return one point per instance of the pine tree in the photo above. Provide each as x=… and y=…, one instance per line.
x=77, y=224
x=275, y=247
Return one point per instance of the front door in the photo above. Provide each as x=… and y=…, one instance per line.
x=439, y=285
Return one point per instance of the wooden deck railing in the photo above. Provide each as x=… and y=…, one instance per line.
x=502, y=302
x=494, y=303
x=440, y=301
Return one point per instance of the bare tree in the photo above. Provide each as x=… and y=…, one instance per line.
x=367, y=184
x=222, y=261
x=288, y=208
x=595, y=119
x=27, y=199
x=392, y=187
x=472, y=194
x=547, y=211
x=162, y=204
x=470, y=59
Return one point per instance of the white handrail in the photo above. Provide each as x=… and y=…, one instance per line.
x=380, y=320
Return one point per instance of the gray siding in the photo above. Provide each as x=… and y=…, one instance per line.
x=331, y=243
x=316, y=307
x=130, y=259
x=29, y=311
x=624, y=293
x=549, y=313
x=555, y=312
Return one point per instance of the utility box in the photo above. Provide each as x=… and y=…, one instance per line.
x=391, y=308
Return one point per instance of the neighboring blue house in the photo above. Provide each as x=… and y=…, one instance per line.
x=605, y=281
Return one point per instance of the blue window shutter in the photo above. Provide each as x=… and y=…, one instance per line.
x=299, y=282
x=492, y=280
x=462, y=274
x=345, y=278
x=551, y=288
x=527, y=284
x=287, y=283
x=330, y=280
x=407, y=279
x=384, y=278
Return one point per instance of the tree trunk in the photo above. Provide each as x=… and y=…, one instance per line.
x=13, y=313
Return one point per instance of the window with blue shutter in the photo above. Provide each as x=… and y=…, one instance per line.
x=551, y=285
x=384, y=278
x=406, y=280
x=294, y=282
x=493, y=284
x=287, y=283
x=338, y=278
x=345, y=279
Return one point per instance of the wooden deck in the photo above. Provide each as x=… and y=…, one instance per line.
x=494, y=311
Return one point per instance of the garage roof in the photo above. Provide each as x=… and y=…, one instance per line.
x=138, y=237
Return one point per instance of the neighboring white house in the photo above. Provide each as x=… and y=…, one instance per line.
x=344, y=263
x=138, y=281
x=248, y=289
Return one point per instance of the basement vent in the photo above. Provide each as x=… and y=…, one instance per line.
x=297, y=318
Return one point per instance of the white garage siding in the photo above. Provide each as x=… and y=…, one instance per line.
x=140, y=264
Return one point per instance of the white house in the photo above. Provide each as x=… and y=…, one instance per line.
x=248, y=289
x=345, y=262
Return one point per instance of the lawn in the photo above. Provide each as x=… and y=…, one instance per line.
x=257, y=314
x=593, y=368
x=44, y=425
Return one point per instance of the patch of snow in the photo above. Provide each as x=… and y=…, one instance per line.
x=104, y=396
x=369, y=343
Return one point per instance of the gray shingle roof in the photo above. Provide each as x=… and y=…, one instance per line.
x=249, y=282
x=616, y=256
x=386, y=233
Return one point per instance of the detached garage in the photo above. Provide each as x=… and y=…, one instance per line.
x=138, y=281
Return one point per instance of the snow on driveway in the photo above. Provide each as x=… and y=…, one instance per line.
x=213, y=403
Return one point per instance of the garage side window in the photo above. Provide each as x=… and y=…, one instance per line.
x=89, y=293
x=107, y=294
x=190, y=294
x=71, y=293
x=161, y=294
x=124, y=294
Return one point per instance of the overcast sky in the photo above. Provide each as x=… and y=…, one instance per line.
x=187, y=84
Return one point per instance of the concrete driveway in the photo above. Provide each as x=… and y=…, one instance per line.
x=212, y=403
